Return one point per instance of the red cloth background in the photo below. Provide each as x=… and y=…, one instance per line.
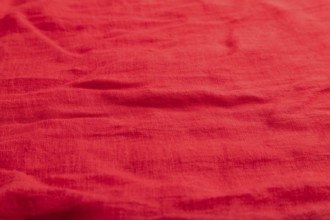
x=175, y=109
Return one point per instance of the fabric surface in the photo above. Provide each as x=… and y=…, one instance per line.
x=174, y=109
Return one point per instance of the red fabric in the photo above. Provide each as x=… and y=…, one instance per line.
x=175, y=109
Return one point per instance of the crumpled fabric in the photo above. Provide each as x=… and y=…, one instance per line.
x=174, y=109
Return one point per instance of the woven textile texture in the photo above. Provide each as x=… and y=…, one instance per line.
x=164, y=110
